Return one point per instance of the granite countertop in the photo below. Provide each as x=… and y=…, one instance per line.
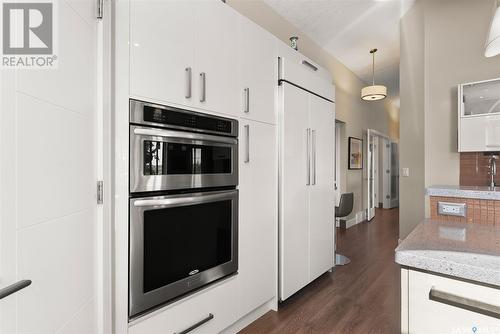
x=465, y=192
x=469, y=251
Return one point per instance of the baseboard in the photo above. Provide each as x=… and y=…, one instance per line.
x=251, y=317
x=358, y=218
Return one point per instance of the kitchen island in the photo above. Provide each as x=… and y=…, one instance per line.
x=450, y=278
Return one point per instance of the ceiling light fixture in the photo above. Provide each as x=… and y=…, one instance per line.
x=492, y=47
x=373, y=92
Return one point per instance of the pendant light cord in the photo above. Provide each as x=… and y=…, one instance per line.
x=373, y=69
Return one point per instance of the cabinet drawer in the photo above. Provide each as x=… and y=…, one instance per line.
x=434, y=314
x=218, y=300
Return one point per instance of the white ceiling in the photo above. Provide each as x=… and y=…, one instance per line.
x=348, y=29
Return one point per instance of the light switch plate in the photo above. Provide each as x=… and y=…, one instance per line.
x=406, y=171
x=452, y=209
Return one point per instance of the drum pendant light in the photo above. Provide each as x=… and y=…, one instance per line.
x=373, y=92
x=492, y=47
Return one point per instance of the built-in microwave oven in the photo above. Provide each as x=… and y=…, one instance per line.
x=172, y=149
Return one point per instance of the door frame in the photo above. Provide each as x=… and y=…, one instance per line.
x=369, y=182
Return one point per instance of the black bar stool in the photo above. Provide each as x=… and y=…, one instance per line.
x=343, y=210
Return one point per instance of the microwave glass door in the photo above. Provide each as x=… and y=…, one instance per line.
x=164, y=158
x=179, y=243
x=169, y=160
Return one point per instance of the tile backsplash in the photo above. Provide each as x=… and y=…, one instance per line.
x=474, y=169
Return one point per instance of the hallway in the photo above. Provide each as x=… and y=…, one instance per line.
x=362, y=297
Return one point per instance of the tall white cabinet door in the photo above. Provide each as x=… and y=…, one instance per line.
x=258, y=61
x=162, y=40
x=216, y=57
x=321, y=191
x=294, y=212
x=258, y=215
x=47, y=185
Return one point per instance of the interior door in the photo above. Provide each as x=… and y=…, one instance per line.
x=387, y=171
x=294, y=210
x=48, y=183
x=322, y=199
x=258, y=215
x=370, y=174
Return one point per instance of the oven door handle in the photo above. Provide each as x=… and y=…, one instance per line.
x=184, y=135
x=176, y=201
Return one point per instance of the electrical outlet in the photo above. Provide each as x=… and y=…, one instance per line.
x=406, y=171
x=452, y=209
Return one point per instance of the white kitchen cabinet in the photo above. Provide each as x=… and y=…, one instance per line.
x=257, y=64
x=218, y=301
x=479, y=116
x=306, y=188
x=184, y=53
x=216, y=56
x=437, y=304
x=294, y=199
x=162, y=47
x=322, y=202
x=258, y=215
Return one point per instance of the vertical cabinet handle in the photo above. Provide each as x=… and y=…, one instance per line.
x=247, y=140
x=247, y=100
x=188, y=82
x=203, y=82
x=313, y=135
x=308, y=156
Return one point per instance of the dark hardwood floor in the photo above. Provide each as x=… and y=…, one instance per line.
x=362, y=297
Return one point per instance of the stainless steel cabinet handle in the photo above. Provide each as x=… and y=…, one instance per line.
x=313, y=135
x=305, y=62
x=247, y=138
x=188, y=82
x=247, y=100
x=308, y=158
x=196, y=325
x=203, y=81
x=464, y=303
x=182, y=135
x=13, y=288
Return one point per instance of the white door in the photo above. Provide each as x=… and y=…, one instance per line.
x=370, y=175
x=258, y=59
x=258, y=215
x=322, y=200
x=162, y=40
x=294, y=211
x=48, y=185
x=216, y=57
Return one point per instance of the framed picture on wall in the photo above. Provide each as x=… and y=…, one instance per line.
x=355, y=153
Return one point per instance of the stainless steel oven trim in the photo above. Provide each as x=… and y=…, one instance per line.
x=139, y=301
x=142, y=183
x=136, y=116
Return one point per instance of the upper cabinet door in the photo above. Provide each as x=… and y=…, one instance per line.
x=258, y=77
x=216, y=57
x=162, y=40
x=321, y=196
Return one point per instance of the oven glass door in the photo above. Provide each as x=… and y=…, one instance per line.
x=179, y=243
x=169, y=160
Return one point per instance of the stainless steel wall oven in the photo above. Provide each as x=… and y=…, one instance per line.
x=183, y=205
